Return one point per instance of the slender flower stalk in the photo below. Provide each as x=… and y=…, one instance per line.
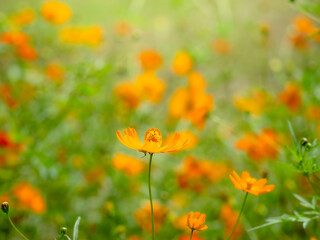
x=150, y=194
x=242, y=208
x=5, y=209
x=191, y=234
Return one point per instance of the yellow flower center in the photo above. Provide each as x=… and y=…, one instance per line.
x=154, y=136
x=250, y=182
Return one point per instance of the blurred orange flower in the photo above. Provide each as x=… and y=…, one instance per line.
x=91, y=36
x=135, y=238
x=14, y=38
x=128, y=93
x=251, y=185
x=24, y=17
x=95, y=175
x=196, y=220
x=182, y=63
x=27, y=52
x=150, y=87
x=7, y=96
x=122, y=28
x=129, y=165
x=55, y=72
x=291, y=97
x=150, y=60
x=152, y=141
x=29, y=197
x=192, y=102
x=221, y=46
x=229, y=217
x=187, y=237
x=255, y=104
x=196, y=173
x=180, y=223
x=260, y=147
x=313, y=112
x=56, y=12
x=143, y=217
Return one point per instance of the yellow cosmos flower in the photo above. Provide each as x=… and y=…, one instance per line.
x=152, y=141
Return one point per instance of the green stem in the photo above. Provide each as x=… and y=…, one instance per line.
x=191, y=234
x=150, y=195
x=16, y=229
x=242, y=208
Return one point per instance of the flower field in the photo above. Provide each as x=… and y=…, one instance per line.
x=167, y=120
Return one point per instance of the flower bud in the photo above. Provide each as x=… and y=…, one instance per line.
x=5, y=207
x=63, y=231
x=303, y=141
x=308, y=146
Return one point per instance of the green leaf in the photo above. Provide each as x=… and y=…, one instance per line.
x=76, y=229
x=304, y=202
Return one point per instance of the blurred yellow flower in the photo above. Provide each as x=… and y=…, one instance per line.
x=251, y=185
x=91, y=36
x=291, y=97
x=196, y=220
x=143, y=217
x=255, y=104
x=182, y=63
x=129, y=165
x=152, y=141
x=150, y=60
x=56, y=12
x=24, y=17
x=29, y=197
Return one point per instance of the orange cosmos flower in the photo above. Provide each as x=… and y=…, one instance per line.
x=128, y=165
x=187, y=237
x=291, y=97
x=182, y=63
x=221, y=46
x=184, y=134
x=229, y=217
x=24, y=17
x=260, y=147
x=55, y=72
x=152, y=141
x=143, y=217
x=150, y=60
x=196, y=220
x=56, y=12
x=249, y=184
x=29, y=197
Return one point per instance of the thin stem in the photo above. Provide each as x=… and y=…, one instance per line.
x=242, y=208
x=150, y=194
x=16, y=229
x=191, y=234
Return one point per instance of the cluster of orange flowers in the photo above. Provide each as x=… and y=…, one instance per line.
x=192, y=102
x=147, y=86
x=195, y=174
x=260, y=147
x=303, y=31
